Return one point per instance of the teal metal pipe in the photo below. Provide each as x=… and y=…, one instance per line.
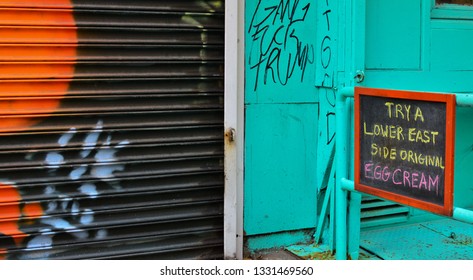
x=459, y=214
x=464, y=99
x=342, y=173
x=463, y=215
x=348, y=185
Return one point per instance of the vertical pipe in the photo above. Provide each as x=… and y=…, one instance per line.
x=354, y=229
x=341, y=173
x=354, y=198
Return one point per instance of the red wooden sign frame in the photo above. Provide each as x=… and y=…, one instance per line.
x=450, y=101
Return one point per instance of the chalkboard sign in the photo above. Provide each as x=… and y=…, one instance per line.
x=404, y=144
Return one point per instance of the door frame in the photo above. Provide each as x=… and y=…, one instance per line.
x=234, y=128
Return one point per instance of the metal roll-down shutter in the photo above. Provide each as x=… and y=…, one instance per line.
x=111, y=129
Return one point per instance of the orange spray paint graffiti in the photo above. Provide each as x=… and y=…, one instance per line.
x=36, y=3
x=25, y=58
x=11, y=212
x=38, y=42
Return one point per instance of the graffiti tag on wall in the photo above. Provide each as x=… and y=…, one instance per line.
x=279, y=52
x=49, y=215
x=325, y=74
x=325, y=81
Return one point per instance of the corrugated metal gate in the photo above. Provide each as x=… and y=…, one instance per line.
x=111, y=129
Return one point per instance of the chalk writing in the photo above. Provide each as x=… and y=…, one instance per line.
x=409, y=156
x=405, y=178
x=279, y=53
x=403, y=147
x=396, y=126
x=411, y=134
x=403, y=111
x=396, y=132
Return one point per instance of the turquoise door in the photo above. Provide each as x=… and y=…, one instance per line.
x=425, y=45
x=420, y=45
x=281, y=110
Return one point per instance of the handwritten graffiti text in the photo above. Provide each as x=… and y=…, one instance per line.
x=279, y=53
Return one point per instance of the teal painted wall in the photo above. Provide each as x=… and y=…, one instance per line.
x=281, y=117
x=280, y=191
x=463, y=193
x=297, y=53
x=393, y=37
